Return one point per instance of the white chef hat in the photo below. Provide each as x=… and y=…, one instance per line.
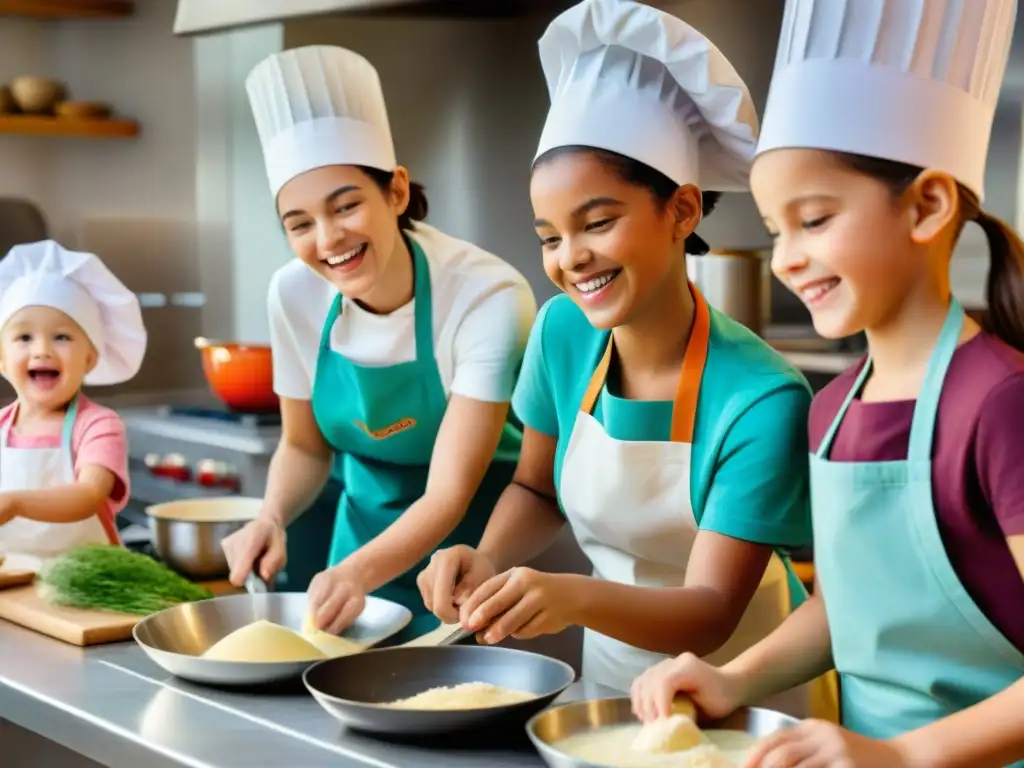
x=637, y=81
x=79, y=285
x=316, y=106
x=913, y=81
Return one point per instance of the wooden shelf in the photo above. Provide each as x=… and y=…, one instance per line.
x=42, y=125
x=68, y=9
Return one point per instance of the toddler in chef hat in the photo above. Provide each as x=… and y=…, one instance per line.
x=65, y=321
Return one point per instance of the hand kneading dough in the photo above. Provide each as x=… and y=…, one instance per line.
x=264, y=641
x=683, y=705
x=668, y=734
x=464, y=696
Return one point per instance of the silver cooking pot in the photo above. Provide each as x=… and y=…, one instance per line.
x=187, y=534
x=737, y=283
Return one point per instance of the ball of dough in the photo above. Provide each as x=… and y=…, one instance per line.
x=683, y=705
x=676, y=733
x=266, y=642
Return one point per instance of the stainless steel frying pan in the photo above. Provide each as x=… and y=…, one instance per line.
x=176, y=637
x=355, y=688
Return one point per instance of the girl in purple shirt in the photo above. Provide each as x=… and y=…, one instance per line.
x=871, y=161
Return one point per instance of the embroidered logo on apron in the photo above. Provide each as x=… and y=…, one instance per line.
x=389, y=431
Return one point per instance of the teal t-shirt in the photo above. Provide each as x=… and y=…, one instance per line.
x=749, y=469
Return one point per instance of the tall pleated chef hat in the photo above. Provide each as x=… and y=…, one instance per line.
x=913, y=81
x=316, y=106
x=79, y=285
x=631, y=79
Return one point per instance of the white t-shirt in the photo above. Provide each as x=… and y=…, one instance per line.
x=483, y=310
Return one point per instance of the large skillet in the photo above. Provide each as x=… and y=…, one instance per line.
x=354, y=688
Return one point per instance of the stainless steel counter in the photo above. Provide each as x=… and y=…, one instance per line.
x=114, y=706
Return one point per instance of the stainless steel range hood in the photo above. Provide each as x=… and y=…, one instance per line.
x=203, y=16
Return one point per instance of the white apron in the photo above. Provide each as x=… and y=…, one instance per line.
x=27, y=469
x=629, y=506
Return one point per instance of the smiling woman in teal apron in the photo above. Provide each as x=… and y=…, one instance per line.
x=395, y=347
x=917, y=493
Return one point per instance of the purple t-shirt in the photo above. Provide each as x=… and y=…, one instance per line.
x=977, y=471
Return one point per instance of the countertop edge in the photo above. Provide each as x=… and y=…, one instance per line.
x=82, y=733
x=111, y=705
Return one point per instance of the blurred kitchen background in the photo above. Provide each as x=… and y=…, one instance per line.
x=172, y=195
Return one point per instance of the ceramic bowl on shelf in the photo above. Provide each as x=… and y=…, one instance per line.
x=36, y=95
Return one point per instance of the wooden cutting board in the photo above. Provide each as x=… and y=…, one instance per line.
x=24, y=606
x=17, y=570
x=10, y=577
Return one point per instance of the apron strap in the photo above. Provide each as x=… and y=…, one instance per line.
x=69, y=424
x=5, y=430
x=684, y=406
x=922, y=429
x=329, y=321
x=66, y=433
x=926, y=410
x=858, y=385
x=66, y=430
x=423, y=308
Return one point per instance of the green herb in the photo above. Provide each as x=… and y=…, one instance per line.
x=110, y=578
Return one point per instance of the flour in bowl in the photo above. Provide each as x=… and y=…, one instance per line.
x=616, y=747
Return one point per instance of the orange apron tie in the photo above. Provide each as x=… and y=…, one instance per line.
x=684, y=406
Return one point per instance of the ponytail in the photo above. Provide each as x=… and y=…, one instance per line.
x=417, y=208
x=1004, y=288
x=695, y=244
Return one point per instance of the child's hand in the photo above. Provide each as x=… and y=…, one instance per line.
x=819, y=744
x=715, y=692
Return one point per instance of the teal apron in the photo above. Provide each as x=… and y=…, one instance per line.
x=909, y=643
x=382, y=422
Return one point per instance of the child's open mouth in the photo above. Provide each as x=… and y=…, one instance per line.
x=44, y=378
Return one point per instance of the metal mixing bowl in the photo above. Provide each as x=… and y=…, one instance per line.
x=176, y=637
x=187, y=534
x=557, y=723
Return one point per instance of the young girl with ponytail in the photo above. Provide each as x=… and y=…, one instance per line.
x=916, y=492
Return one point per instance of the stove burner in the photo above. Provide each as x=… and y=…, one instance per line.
x=263, y=419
